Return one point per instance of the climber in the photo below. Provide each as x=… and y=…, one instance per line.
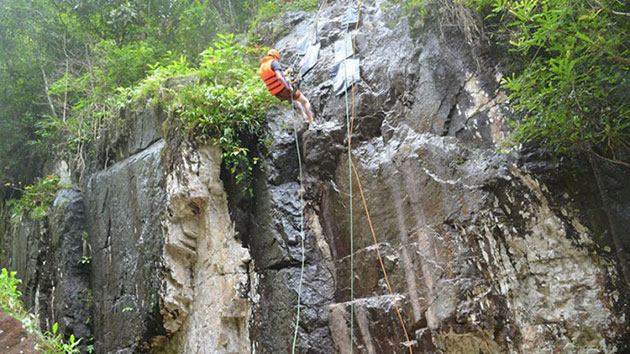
x=273, y=76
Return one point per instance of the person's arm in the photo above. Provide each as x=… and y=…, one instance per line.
x=280, y=76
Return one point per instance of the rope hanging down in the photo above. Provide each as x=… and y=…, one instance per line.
x=350, y=208
x=351, y=170
x=297, y=315
x=302, y=191
x=365, y=207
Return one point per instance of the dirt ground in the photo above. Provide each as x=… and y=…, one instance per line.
x=13, y=337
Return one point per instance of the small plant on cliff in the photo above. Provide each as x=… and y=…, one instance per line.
x=36, y=198
x=56, y=344
x=9, y=294
x=49, y=342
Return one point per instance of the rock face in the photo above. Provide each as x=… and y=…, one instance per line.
x=126, y=205
x=482, y=256
x=206, y=296
x=48, y=255
x=485, y=252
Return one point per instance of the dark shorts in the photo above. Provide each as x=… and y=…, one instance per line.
x=285, y=95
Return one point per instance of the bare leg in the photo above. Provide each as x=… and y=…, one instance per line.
x=305, y=107
x=300, y=106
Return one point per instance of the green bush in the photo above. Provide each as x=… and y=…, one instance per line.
x=36, y=198
x=571, y=60
x=230, y=103
x=227, y=101
x=9, y=294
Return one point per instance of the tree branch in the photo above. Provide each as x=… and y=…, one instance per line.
x=616, y=162
x=619, y=13
x=50, y=103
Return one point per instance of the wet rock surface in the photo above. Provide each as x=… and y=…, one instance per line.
x=482, y=256
x=47, y=255
x=126, y=206
x=70, y=257
x=485, y=252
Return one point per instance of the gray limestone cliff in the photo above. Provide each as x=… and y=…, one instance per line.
x=486, y=252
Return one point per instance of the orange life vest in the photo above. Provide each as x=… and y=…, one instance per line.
x=269, y=76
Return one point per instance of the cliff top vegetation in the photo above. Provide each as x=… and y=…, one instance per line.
x=73, y=65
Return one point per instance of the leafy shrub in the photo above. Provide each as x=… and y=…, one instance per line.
x=36, y=198
x=89, y=97
x=570, y=82
x=9, y=294
x=227, y=101
x=229, y=104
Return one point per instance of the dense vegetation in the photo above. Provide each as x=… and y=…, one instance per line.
x=36, y=199
x=570, y=61
x=226, y=100
x=70, y=65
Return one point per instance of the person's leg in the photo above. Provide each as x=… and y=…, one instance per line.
x=300, y=106
x=305, y=107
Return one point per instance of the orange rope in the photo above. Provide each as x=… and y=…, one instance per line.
x=367, y=212
x=380, y=258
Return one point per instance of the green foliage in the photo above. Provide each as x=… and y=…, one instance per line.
x=36, y=198
x=51, y=342
x=9, y=293
x=228, y=104
x=571, y=62
x=64, y=61
x=73, y=65
x=270, y=10
x=416, y=9
x=55, y=344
